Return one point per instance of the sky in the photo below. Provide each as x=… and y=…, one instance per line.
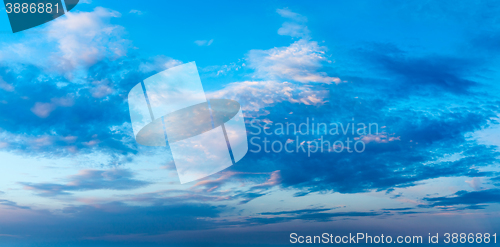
x=423, y=72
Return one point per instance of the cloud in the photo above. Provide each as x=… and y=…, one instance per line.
x=12, y=204
x=30, y=114
x=158, y=63
x=274, y=180
x=253, y=185
x=283, y=73
x=434, y=72
x=298, y=62
x=466, y=198
x=6, y=86
x=101, y=89
x=203, y=42
x=396, y=209
x=85, y=99
x=116, y=179
x=287, y=13
x=95, y=111
x=216, y=183
x=475, y=183
x=316, y=215
x=86, y=37
x=227, y=186
x=301, y=211
x=296, y=28
x=112, y=218
x=425, y=136
x=257, y=95
x=71, y=43
x=43, y=110
x=135, y=11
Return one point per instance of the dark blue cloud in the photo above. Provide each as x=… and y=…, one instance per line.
x=12, y=204
x=302, y=211
x=317, y=215
x=116, y=179
x=420, y=73
x=466, y=198
x=420, y=138
x=409, y=102
x=396, y=209
x=247, y=197
x=113, y=218
x=100, y=223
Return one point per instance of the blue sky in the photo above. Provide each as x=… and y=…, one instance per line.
x=425, y=72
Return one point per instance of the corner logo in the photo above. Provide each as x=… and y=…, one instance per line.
x=205, y=136
x=25, y=14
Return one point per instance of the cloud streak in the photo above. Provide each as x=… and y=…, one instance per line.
x=116, y=179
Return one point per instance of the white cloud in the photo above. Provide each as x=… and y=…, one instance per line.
x=298, y=62
x=286, y=13
x=135, y=11
x=288, y=73
x=159, y=63
x=102, y=89
x=217, y=70
x=70, y=43
x=6, y=86
x=204, y=42
x=475, y=183
x=301, y=61
x=43, y=110
x=255, y=95
x=296, y=28
x=488, y=136
x=84, y=38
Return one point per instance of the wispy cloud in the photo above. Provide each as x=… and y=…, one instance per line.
x=257, y=95
x=466, y=198
x=296, y=27
x=116, y=179
x=135, y=11
x=204, y=42
x=71, y=43
x=12, y=204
